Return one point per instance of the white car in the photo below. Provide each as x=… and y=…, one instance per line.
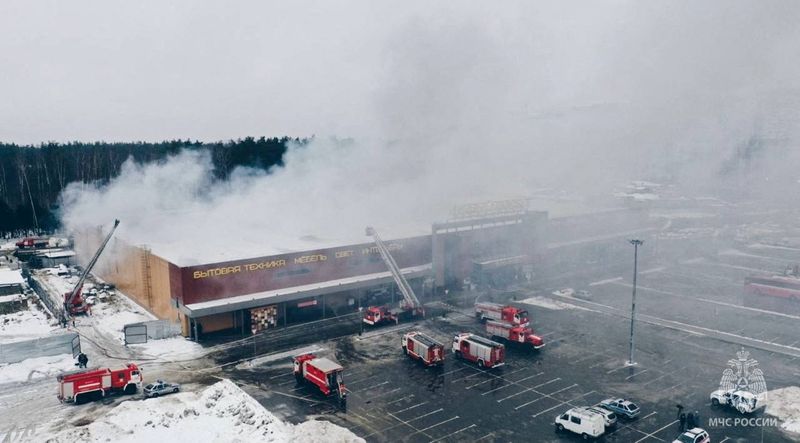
x=694, y=435
x=743, y=401
x=582, y=422
x=609, y=418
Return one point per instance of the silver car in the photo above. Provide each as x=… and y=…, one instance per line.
x=160, y=387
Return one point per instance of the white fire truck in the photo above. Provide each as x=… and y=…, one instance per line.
x=485, y=311
x=423, y=348
x=484, y=352
x=514, y=334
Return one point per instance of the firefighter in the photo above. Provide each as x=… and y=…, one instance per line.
x=690, y=421
x=83, y=360
x=682, y=421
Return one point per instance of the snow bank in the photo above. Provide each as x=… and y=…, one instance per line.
x=24, y=325
x=113, y=323
x=784, y=404
x=38, y=367
x=174, y=347
x=547, y=303
x=220, y=413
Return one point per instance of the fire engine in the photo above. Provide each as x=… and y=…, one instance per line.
x=73, y=300
x=33, y=243
x=91, y=384
x=423, y=348
x=495, y=311
x=410, y=305
x=484, y=352
x=322, y=373
x=514, y=334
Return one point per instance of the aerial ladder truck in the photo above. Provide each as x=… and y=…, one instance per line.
x=73, y=300
x=380, y=314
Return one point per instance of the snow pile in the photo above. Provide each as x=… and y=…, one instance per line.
x=174, y=347
x=112, y=322
x=24, y=325
x=547, y=303
x=38, y=367
x=785, y=405
x=220, y=413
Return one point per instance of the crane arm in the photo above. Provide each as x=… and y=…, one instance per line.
x=79, y=285
x=402, y=283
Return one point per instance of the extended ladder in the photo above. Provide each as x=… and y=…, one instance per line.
x=412, y=302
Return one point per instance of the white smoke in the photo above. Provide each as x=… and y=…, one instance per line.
x=445, y=104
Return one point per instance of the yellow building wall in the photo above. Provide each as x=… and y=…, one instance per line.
x=134, y=270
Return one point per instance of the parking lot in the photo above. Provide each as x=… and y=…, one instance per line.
x=393, y=398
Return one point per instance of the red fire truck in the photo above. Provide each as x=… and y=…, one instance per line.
x=514, y=334
x=33, y=243
x=322, y=373
x=423, y=348
x=484, y=352
x=495, y=311
x=91, y=384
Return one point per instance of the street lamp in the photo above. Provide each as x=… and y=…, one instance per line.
x=636, y=244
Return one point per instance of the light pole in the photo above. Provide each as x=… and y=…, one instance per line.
x=636, y=244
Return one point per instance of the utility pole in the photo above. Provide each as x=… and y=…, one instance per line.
x=636, y=244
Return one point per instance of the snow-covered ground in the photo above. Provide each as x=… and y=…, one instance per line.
x=34, y=368
x=220, y=413
x=548, y=303
x=25, y=325
x=176, y=348
x=785, y=405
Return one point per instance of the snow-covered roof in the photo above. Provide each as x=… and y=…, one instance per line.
x=296, y=292
x=325, y=365
x=10, y=277
x=58, y=254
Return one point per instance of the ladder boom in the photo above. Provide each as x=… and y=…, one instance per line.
x=402, y=283
x=77, y=289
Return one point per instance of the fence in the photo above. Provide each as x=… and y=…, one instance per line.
x=68, y=343
x=151, y=330
x=55, y=307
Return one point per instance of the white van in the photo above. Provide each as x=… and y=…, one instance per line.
x=580, y=421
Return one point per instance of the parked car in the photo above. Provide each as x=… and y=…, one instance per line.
x=694, y=435
x=160, y=387
x=743, y=401
x=620, y=406
x=609, y=417
x=578, y=420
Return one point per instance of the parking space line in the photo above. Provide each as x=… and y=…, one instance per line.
x=352, y=382
x=480, y=371
x=650, y=435
x=281, y=375
x=492, y=379
x=402, y=422
x=601, y=363
x=649, y=415
x=562, y=403
x=399, y=399
x=411, y=407
x=379, y=384
x=528, y=389
x=546, y=395
x=491, y=434
x=615, y=370
x=635, y=374
x=390, y=392
x=439, y=424
x=725, y=439
x=453, y=433
x=425, y=415
x=454, y=371
x=593, y=355
x=513, y=382
x=665, y=375
x=286, y=382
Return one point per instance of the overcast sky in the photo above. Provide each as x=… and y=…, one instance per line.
x=112, y=70
x=446, y=103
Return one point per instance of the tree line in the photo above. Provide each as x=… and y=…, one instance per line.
x=32, y=177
